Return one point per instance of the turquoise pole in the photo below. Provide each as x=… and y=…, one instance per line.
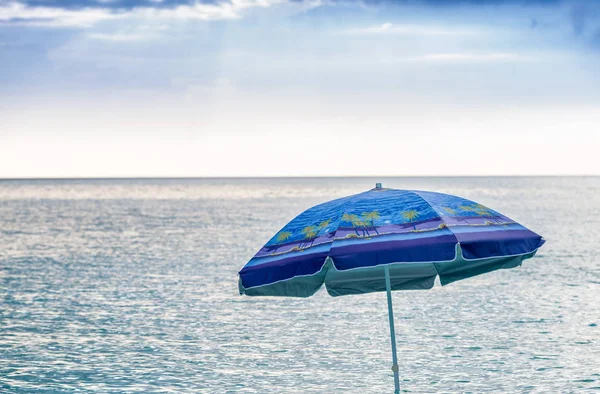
x=388, y=287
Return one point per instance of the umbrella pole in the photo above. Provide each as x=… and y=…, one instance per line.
x=388, y=287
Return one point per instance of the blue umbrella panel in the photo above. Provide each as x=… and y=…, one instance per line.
x=345, y=244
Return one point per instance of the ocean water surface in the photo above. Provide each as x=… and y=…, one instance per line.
x=130, y=286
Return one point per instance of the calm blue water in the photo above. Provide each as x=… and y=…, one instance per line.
x=131, y=287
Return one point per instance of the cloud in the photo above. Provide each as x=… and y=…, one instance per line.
x=18, y=13
x=452, y=3
x=469, y=57
x=117, y=37
x=408, y=30
x=565, y=22
x=122, y=5
x=23, y=14
x=486, y=2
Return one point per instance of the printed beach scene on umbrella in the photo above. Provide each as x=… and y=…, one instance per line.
x=323, y=224
x=414, y=226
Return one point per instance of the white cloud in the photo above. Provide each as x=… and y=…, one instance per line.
x=409, y=30
x=49, y=16
x=117, y=37
x=468, y=57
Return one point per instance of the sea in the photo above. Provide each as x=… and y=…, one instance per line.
x=130, y=286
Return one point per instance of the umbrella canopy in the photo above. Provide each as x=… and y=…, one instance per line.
x=346, y=243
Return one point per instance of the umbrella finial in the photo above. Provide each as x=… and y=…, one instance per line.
x=378, y=185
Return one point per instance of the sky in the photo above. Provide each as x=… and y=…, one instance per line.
x=184, y=88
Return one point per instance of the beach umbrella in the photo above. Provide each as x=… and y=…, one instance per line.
x=384, y=240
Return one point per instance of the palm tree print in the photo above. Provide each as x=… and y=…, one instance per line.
x=478, y=209
x=363, y=225
x=482, y=210
x=450, y=211
x=281, y=238
x=323, y=224
x=349, y=217
x=371, y=216
x=352, y=219
x=310, y=232
x=410, y=216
